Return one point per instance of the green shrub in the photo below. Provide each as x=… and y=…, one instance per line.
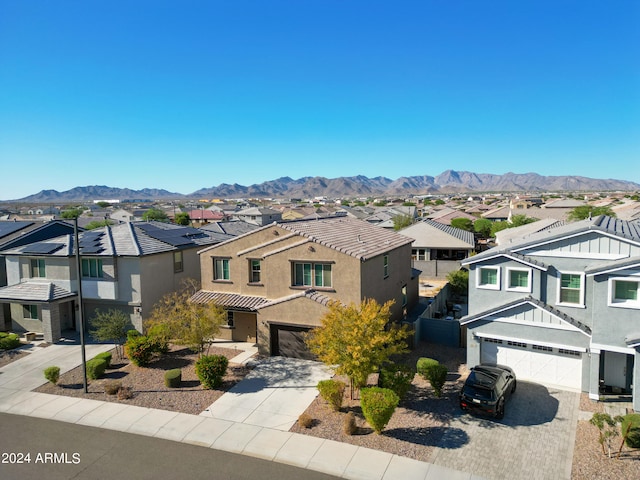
x=437, y=376
x=140, y=350
x=397, y=377
x=378, y=405
x=423, y=366
x=173, y=378
x=161, y=336
x=52, y=374
x=96, y=368
x=133, y=333
x=631, y=422
x=333, y=392
x=112, y=386
x=106, y=356
x=9, y=341
x=211, y=369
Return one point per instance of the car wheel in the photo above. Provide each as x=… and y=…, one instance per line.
x=500, y=409
x=515, y=384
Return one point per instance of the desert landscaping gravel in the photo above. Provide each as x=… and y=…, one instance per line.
x=415, y=429
x=147, y=383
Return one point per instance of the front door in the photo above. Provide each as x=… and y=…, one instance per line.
x=615, y=369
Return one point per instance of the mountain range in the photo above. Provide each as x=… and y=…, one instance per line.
x=447, y=182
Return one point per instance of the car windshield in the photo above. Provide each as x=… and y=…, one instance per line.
x=478, y=392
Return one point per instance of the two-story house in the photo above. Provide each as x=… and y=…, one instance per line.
x=275, y=282
x=561, y=307
x=128, y=267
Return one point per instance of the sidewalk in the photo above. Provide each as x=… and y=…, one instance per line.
x=343, y=460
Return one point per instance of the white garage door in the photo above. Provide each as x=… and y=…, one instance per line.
x=536, y=363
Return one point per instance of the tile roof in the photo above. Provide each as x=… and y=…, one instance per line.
x=233, y=301
x=34, y=292
x=347, y=235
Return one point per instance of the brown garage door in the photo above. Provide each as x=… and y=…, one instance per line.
x=288, y=341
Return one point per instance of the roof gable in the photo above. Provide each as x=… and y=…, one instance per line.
x=530, y=311
x=428, y=233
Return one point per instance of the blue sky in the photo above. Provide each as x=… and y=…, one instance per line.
x=183, y=95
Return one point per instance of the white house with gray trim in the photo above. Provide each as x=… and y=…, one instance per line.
x=561, y=307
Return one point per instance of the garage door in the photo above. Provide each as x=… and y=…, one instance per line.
x=288, y=341
x=537, y=363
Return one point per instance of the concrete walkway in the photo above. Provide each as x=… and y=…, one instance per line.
x=272, y=395
x=343, y=460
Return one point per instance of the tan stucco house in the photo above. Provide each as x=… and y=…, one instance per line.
x=275, y=282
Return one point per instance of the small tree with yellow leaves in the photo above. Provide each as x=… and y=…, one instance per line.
x=357, y=339
x=177, y=320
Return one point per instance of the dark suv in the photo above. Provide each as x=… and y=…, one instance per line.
x=486, y=389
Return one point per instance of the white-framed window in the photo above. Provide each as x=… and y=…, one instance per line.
x=38, y=269
x=623, y=292
x=91, y=268
x=519, y=279
x=312, y=275
x=385, y=266
x=571, y=289
x=221, y=269
x=419, y=254
x=488, y=277
x=255, y=271
x=30, y=311
x=178, y=264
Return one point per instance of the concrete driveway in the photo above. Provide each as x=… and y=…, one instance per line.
x=535, y=439
x=273, y=395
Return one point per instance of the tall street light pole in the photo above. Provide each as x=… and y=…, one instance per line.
x=80, y=304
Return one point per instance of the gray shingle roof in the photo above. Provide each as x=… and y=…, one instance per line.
x=129, y=239
x=619, y=228
x=445, y=237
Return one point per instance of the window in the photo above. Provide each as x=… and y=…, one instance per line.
x=38, y=268
x=385, y=265
x=312, y=274
x=30, y=312
x=623, y=292
x=254, y=271
x=488, y=277
x=221, y=269
x=519, y=280
x=230, y=319
x=571, y=291
x=419, y=254
x=92, y=268
x=178, y=265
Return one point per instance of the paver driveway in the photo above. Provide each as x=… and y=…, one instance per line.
x=534, y=440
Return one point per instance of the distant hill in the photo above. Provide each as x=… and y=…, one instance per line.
x=449, y=181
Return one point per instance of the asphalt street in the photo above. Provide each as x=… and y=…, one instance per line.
x=34, y=448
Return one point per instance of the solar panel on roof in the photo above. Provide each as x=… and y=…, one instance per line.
x=44, y=248
x=7, y=228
